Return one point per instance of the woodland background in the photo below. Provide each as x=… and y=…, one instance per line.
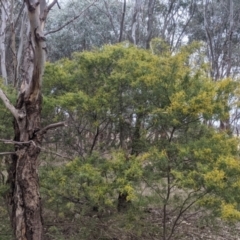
x=149, y=91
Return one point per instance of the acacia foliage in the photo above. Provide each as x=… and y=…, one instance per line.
x=144, y=124
x=6, y=132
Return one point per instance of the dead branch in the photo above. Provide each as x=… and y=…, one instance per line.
x=4, y=8
x=5, y=141
x=46, y=9
x=71, y=20
x=52, y=126
x=7, y=153
x=50, y=6
x=18, y=17
x=8, y=105
x=54, y=153
x=26, y=143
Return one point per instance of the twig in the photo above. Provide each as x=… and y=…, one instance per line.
x=7, y=153
x=57, y=154
x=58, y=5
x=28, y=142
x=4, y=9
x=71, y=20
x=52, y=4
x=18, y=17
x=16, y=142
x=46, y=9
x=52, y=126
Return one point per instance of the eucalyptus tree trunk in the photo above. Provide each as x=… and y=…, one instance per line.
x=221, y=42
x=4, y=9
x=135, y=19
x=24, y=196
x=151, y=5
x=122, y=21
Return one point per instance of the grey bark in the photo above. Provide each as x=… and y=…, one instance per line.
x=135, y=18
x=122, y=21
x=151, y=5
x=24, y=196
x=4, y=9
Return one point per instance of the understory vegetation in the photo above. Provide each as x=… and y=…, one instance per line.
x=146, y=153
x=119, y=119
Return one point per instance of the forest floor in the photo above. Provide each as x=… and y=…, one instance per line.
x=193, y=229
x=148, y=227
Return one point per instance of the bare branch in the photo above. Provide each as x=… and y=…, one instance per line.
x=18, y=17
x=8, y=105
x=46, y=9
x=5, y=141
x=50, y=6
x=21, y=143
x=109, y=15
x=4, y=8
x=71, y=20
x=186, y=24
x=58, y=5
x=53, y=126
x=57, y=154
x=7, y=153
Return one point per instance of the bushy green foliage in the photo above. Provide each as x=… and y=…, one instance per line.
x=6, y=132
x=145, y=125
x=91, y=183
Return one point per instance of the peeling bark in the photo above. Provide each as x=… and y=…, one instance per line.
x=23, y=176
x=24, y=197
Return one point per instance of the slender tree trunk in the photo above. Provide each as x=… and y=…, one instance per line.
x=122, y=21
x=137, y=8
x=151, y=5
x=4, y=9
x=13, y=44
x=230, y=32
x=136, y=145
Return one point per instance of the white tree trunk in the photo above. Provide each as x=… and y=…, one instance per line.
x=4, y=9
